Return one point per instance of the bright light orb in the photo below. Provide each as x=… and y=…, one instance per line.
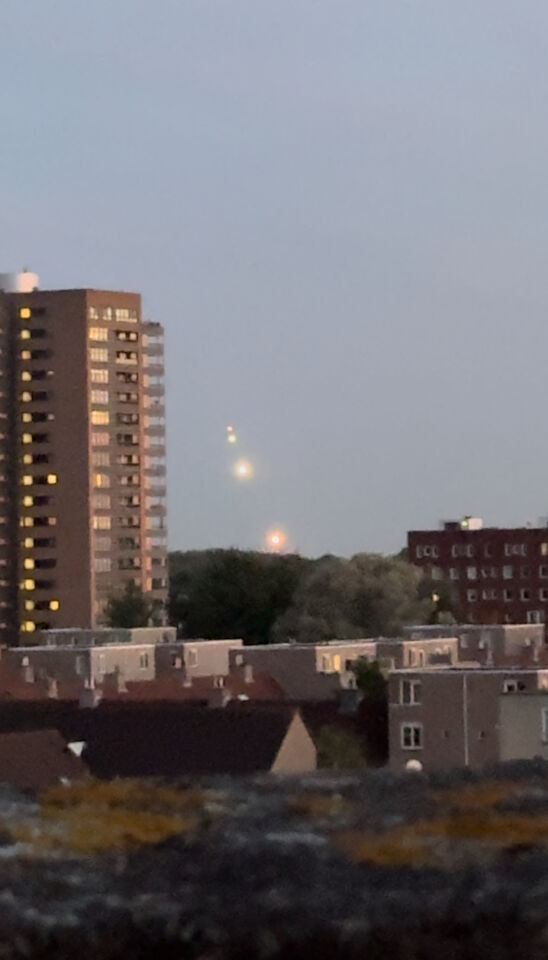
x=230, y=429
x=231, y=437
x=275, y=540
x=243, y=469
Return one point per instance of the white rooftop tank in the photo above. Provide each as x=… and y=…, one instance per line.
x=24, y=282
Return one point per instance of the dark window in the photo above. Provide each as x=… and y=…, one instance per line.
x=43, y=501
x=39, y=417
x=40, y=354
x=45, y=542
x=127, y=418
x=46, y=564
x=44, y=584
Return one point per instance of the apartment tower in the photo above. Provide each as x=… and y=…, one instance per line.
x=82, y=455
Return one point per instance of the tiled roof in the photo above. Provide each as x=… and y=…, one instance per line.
x=37, y=759
x=161, y=739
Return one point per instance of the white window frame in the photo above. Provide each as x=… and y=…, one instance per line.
x=508, y=572
x=413, y=685
x=472, y=573
x=416, y=728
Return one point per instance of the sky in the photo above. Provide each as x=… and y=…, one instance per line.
x=339, y=211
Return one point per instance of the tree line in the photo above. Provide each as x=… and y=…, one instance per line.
x=264, y=597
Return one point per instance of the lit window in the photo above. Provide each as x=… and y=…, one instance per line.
x=28, y=563
x=98, y=333
x=28, y=542
x=26, y=521
x=28, y=626
x=25, y=313
x=26, y=375
x=99, y=417
x=26, y=417
x=25, y=354
x=99, y=396
x=101, y=523
x=54, y=604
x=99, y=376
x=28, y=584
x=27, y=458
x=100, y=439
x=98, y=354
x=27, y=480
x=102, y=480
x=26, y=438
x=29, y=604
x=25, y=334
x=26, y=397
x=28, y=501
x=52, y=478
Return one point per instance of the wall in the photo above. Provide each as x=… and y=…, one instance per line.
x=521, y=733
x=297, y=753
x=459, y=716
x=211, y=656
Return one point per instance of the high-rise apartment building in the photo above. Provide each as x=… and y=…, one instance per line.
x=82, y=455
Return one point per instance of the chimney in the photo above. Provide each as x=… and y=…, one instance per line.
x=119, y=681
x=219, y=697
x=186, y=677
x=248, y=673
x=27, y=671
x=90, y=697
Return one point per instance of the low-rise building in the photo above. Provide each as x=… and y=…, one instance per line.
x=198, y=658
x=320, y=671
x=449, y=717
x=105, y=636
x=84, y=664
x=307, y=671
x=487, y=643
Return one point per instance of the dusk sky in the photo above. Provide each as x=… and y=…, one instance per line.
x=338, y=210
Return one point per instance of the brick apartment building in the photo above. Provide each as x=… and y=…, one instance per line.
x=496, y=575
x=82, y=455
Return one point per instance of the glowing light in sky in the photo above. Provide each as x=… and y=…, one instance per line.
x=275, y=540
x=243, y=469
x=231, y=437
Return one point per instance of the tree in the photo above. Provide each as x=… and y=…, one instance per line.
x=129, y=608
x=338, y=749
x=443, y=599
x=231, y=593
x=366, y=596
x=372, y=718
x=370, y=680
